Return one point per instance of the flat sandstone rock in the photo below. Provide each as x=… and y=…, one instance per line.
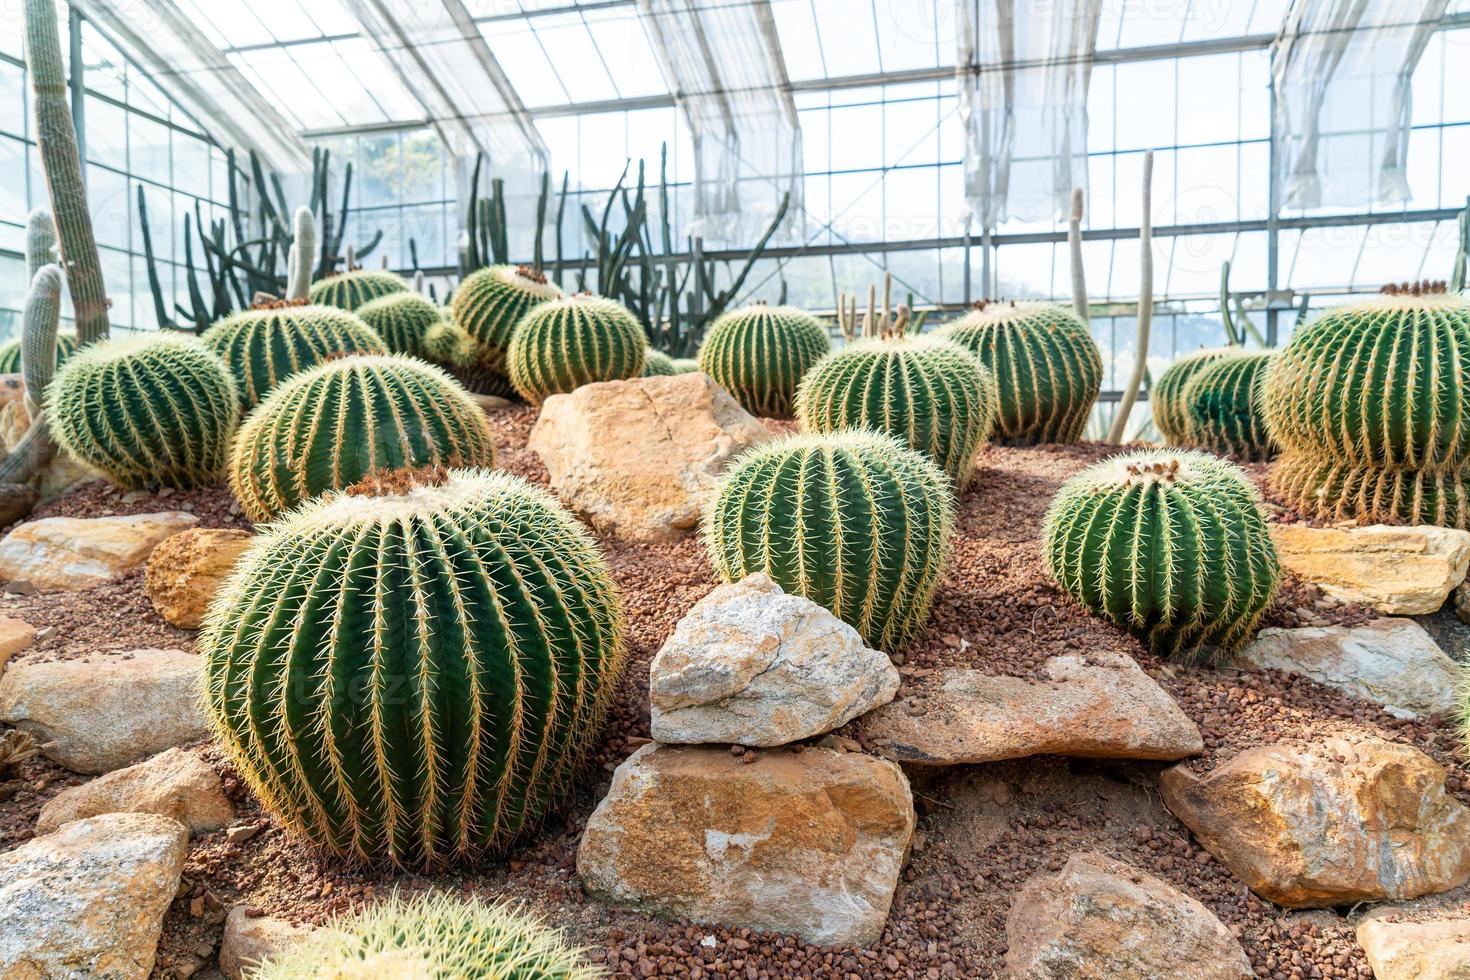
x=74, y=553
x=1400, y=571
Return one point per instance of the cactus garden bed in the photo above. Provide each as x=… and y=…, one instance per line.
x=983, y=831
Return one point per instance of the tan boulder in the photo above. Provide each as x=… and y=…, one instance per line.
x=57, y=476
x=251, y=940
x=638, y=458
x=808, y=842
x=16, y=635
x=1328, y=823
x=83, y=552
x=1095, y=706
x=1400, y=571
x=1100, y=918
x=89, y=899
x=106, y=711
x=175, y=784
x=1402, y=949
x=185, y=571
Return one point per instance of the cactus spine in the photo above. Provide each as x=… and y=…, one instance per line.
x=489, y=304
x=412, y=669
x=146, y=412
x=566, y=343
x=1222, y=402
x=656, y=362
x=266, y=345
x=1170, y=545
x=329, y=427
x=1045, y=362
x=854, y=521
x=40, y=241
x=931, y=394
x=349, y=290
x=759, y=354
x=404, y=320
x=302, y=256
x=1166, y=396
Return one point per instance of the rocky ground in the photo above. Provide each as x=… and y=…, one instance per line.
x=983, y=831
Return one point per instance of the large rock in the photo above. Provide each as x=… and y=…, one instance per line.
x=176, y=784
x=251, y=940
x=1399, y=949
x=16, y=635
x=638, y=458
x=107, y=711
x=60, y=473
x=1097, y=706
x=1400, y=571
x=89, y=900
x=754, y=665
x=806, y=842
x=1328, y=823
x=1104, y=919
x=186, y=570
x=1391, y=661
x=83, y=552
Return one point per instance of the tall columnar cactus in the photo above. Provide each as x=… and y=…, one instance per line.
x=10, y=352
x=759, y=354
x=302, y=255
x=1170, y=545
x=1166, y=395
x=854, y=521
x=349, y=290
x=1222, y=403
x=1045, y=363
x=491, y=301
x=412, y=669
x=332, y=425
x=403, y=320
x=931, y=394
x=432, y=937
x=1372, y=413
x=146, y=412
x=266, y=345
x=656, y=362
x=38, y=336
x=566, y=343
x=40, y=241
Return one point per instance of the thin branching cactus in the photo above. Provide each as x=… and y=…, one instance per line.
x=566, y=343
x=266, y=345
x=759, y=354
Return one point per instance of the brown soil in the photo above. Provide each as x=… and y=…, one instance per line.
x=983, y=830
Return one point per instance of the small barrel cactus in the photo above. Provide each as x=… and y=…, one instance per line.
x=445, y=343
x=1223, y=410
x=932, y=394
x=350, y=290
x=412, y=669
x=146, y=412
x=1170, y=545
x=66, y=346
x=264, y=346
x=331, y=426
x=566, y=343
x=759, y=354
x=685, y=365
x=1166, y=396
x=403, y=320
x=1045, y=362
x=854, y=521
x=656, y=362
x=432, y=937
x=491, y=301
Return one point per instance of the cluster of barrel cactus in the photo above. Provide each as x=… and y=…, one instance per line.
x=487, y=306
x=350, y=290
x=10, y=353
x=760, y=353
x=1222, y=404
x=267, y=344
x=1166, y=395
x=404, y=321
x=565, y=343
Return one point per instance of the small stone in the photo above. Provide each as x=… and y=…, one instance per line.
x=21, y=587
x=186, y=571
x=251, y=938
x=242, y=833
x=1400, y=571
x=1434, y=949
x=176, y=784
x=82, y=552
x=16, y=635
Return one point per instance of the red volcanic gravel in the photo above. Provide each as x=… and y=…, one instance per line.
x=983, y=830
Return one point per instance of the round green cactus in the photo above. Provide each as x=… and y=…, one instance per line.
x=566, y=343
x=854, y=521
x=412, y=669
x=685, y=365
x=445, y=343
x=350, y=290
x=66, y=346
x=759, y=354
x=1045, y=362
x=1166, y=397
x=331, y=426
x=1170, y=545
x=489, y=304
x=930, y=393
x=265, y=346
x=1223, y=410
x=146, y=412
x=656, y=362
x=403, y=320
x=432, y=937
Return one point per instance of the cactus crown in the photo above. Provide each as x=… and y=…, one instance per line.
x=349, y=290
x=266, y=345
x=759, y=353
x=562, y=344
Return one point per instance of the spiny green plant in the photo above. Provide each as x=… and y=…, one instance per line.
x=1170, y=545
x=1222, y=402
x=491, y=301
x=1166, y=395
x=759, y=354
x=265, y=345
x=853, y=520
x=146, y=412
x=566, y=343
x=685, y=365
x=657, y=362
x=40, y=241
x=432, y=937
x=1046, y=365
x=929, y=393
x=66, y=346
x=446, y=343
x=332, y=425
x=403, y=320
x=412, y=669
x=351, y=289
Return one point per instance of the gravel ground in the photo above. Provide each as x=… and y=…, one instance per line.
x=983, y=831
